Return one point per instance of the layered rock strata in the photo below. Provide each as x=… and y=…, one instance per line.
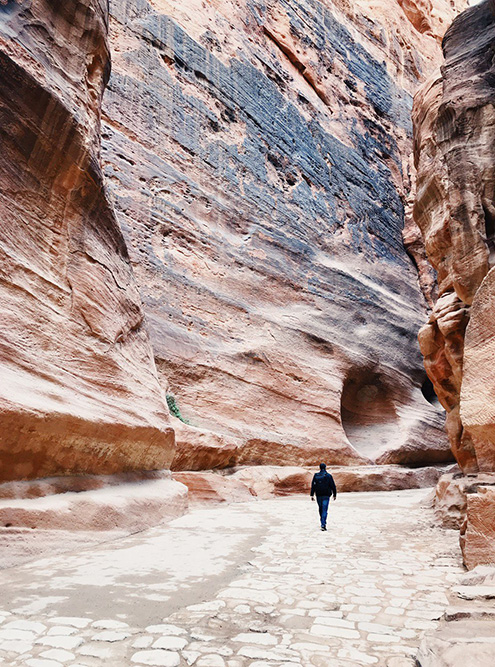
x=455, y=210
x=257, y=154
x=269, y=481
x=78, y=387
x=94, y=503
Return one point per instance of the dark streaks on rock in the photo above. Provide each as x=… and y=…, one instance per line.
x=259, y=222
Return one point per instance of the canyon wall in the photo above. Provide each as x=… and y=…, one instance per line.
x=258, y=155
x=454, y=151
x=454, y=122
x=78, y=385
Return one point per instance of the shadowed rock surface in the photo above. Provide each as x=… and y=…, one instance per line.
x=78, y=389
x=454, y=149
x=258, y=157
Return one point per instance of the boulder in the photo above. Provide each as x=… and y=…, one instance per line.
x=478, y=530
x=468, y=503
x=214, y=488
x=451, y=496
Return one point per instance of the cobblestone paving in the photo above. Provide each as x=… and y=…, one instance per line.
x=253, y=585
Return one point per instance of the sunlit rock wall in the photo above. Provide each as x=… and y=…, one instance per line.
x=78, y=386
x=258, y=154
x=455, y=209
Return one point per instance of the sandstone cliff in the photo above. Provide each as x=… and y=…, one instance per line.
x=257, y=154
x=78, y=389
x=454, y=149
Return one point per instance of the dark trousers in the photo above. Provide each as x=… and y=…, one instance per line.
x=323, y=508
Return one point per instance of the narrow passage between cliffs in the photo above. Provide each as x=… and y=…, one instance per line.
x=250, y=584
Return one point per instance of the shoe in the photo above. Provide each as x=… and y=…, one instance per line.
x=323, y=527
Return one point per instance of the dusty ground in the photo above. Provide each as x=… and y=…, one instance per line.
x=252, y=584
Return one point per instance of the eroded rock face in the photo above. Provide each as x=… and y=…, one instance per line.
x=452, y=493
x=268, y=481
x=454, y=148
x=478, y=378
x=478, y=532
x=454, y=151
x=78, y=389
x=257, y=153
x=120, y=502
x=468, y=503
x=208, y=487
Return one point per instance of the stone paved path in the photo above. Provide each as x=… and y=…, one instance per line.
x=250, y=584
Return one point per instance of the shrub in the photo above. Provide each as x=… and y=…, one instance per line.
x=174, y=408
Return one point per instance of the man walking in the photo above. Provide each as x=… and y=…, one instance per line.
x=323, y=487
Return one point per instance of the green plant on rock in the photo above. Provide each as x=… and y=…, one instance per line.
x=174, y=408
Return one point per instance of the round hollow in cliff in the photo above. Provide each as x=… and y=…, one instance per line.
x=368, y=412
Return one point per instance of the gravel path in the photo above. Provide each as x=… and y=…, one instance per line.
x=254, y=584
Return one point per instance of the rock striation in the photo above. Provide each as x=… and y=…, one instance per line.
x=78, y=389
x=239, y=485
x=478, y=530
x=454, y=208
x=127, y=502
x=258, y=157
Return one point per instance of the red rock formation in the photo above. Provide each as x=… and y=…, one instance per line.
x=455, y=210
x=452, y=493
x=78, y=389
x=208, y=487
x=269, y=481
x=198, y=449
x=258, y=156
x=478, y=531
x=478, y=377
